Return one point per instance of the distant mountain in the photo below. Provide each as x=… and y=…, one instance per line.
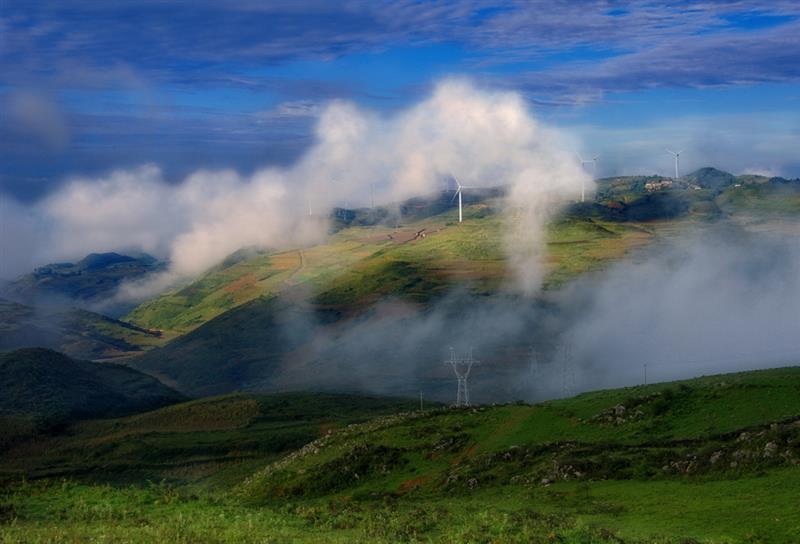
x=709, y=178
x=48, y=388
x=79, y=333
x=88, y=283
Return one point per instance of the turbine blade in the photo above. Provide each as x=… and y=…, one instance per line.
x=455, y=194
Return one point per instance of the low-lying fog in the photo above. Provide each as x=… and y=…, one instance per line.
x=720, y=300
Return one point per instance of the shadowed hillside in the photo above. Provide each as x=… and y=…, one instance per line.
x=40, y=388
x=78, y=333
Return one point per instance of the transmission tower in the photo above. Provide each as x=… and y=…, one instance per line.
x=462, y=367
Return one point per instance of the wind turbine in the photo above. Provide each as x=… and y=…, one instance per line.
x=593, y=160
x=458, y=194
x=677, y=157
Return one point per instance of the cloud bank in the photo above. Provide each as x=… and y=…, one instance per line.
x=713, y=302
x=483, y=138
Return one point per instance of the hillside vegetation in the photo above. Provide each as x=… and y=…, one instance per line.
x=202, y=443
x=429, y=251
x=709, y=460
x=42, y=389
x=359, y=265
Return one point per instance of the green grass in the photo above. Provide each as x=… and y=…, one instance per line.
x=207, y=442
x=559, y=471
x=658, y=425
x=763, y=199
x=633, y=512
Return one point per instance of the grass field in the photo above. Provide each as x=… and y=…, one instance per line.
x=725, y=511
x=710, y=460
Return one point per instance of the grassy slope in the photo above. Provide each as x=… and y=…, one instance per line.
x=446, y=475
x=245, y=347
x=79, y=333
x=360, y=264
x=607, y=472
x=244, y=341
x=202, y=442
x=762, y=198
x=42, y=389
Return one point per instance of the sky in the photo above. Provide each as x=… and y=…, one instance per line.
x=87, y=87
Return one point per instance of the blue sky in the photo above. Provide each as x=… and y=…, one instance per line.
x=89, y=86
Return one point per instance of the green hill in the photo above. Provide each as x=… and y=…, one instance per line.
x=40, y=388
x=708, y=460
x=762, y=197
x=207, y=442
x=710, y=178
x=590, y=456
x=426, y=254
x=250, y=345
x=247, y=321
x=424, y=250
x=78, y=333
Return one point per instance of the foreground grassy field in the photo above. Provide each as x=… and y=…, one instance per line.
x=725, y=511
x=711, y=460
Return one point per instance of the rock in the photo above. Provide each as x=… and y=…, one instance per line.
x=619, y=410
x=770, y=449
x=715, y=457
x=472, y=483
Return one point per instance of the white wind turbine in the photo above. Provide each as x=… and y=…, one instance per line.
x=458, y=194
x=593, y=161
x=677, y=157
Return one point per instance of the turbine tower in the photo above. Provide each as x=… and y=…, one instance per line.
x=462, y=367
x=677, y=157
x=458, y=194
x=593, y=161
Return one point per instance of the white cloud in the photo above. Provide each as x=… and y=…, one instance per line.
x=483, y=138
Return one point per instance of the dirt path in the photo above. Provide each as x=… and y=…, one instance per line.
x=301, y=265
